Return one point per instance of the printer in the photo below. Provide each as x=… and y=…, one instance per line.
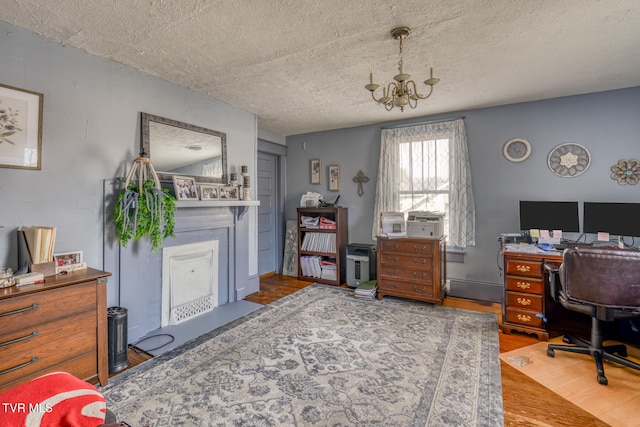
x=425, y=224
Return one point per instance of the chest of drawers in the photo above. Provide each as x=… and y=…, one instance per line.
x=411, y=268
x=59, y=325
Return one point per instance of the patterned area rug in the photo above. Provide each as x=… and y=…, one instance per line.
x=320, y=357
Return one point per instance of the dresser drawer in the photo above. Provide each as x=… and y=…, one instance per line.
x=525, y=284
x=523, y=267
x=397, y=260
x=409, y=246
x=422, y=276
x=33, y=349
x=24, y=311
x=527, y=301
x=523, y=317
x=405, y=288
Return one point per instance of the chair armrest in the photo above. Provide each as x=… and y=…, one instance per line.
x=554, y=277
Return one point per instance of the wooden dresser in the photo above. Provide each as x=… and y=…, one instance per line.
x=527, y=301
x=411, y=268
x=58, y=325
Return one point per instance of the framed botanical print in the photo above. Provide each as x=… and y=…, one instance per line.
x=334, y=177
x=20, y=128
x=316, y=171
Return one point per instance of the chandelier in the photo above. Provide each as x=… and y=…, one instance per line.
x=403, y=91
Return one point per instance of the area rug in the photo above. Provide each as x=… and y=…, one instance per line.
x=573, y=376
x=320, y=357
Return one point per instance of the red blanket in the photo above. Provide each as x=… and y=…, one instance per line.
x=54, y=400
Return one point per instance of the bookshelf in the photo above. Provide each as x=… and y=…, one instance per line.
x=322, y=244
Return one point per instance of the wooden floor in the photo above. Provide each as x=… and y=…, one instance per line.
x=526, y=403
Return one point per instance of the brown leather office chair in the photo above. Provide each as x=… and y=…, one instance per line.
x=604, y=284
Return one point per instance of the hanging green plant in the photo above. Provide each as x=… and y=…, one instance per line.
x=144, y=209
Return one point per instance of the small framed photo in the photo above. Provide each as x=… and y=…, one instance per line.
x=334, y=177
x=185, y=188
x=209, y=192
x=67, y=258
x=20, y=128
x=229, y=193
x=316, y=171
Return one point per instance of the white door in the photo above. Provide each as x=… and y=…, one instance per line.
x=267, y=213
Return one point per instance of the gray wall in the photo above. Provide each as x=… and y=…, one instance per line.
x=605, y=123
x=91, y=133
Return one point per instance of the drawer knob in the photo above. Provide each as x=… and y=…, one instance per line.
x=34, y=359
x=392, y=285
x=523, y=268
x=419, y=261
x=419, y=276
x=415, y=288
x=524, y=301
x=394, y=259
x=26, y=337
x=392, y=272
x=524, y=318
x=523, y=285
x=419, y=249
x=20, y=310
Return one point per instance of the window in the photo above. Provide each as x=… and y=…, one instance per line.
x=426, y=167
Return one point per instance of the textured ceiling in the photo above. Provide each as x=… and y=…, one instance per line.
x=301, y=65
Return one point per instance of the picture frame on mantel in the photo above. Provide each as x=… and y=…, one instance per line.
x=20, y=128
x=334, y=177
x=316, y=171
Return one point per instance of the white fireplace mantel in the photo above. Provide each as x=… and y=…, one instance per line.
x=242, y=205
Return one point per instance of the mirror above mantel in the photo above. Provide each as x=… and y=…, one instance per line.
x=177, y=148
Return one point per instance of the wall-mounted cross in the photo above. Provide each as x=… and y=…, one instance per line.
x=360, y=179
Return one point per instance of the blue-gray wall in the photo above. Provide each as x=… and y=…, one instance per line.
x=606, y=123
x=91, y=132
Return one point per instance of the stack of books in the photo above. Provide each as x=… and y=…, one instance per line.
x=366, y=290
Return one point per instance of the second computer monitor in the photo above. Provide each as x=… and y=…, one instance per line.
x=618, y=219
x=542, y=215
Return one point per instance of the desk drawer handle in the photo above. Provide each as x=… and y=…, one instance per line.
x=523, y=268
x=34, y=359
x=419, y=277
x=415, y=288
x=393, y=272
x=524, y=318
x=524, y=301
x=420, y=261
x=523, y=285
x=20, y=310
x=26, y=337
x=394, y=259
x=417, y=249
x=392, y=246
x=392, y=285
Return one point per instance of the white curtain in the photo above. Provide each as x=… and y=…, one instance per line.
x=460, y=207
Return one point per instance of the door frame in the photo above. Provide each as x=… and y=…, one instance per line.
x=280, y=151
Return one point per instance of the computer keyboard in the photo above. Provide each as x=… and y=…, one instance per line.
x=565, y=245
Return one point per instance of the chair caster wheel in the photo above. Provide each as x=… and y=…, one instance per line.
x=603, y=380
x=566, y=340
x=622, y=353
x=550, y=352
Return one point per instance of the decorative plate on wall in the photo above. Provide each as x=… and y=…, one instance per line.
x=569, y=160
x=516, y=149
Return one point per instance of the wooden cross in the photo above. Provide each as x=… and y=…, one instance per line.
x=360, y=179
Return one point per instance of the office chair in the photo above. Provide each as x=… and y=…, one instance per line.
x=604, y=284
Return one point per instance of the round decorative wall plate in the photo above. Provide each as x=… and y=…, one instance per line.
x=569, y=160
x=516, y=149
x=626, y=172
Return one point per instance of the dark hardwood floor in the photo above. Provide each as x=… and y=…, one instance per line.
x=526, y=402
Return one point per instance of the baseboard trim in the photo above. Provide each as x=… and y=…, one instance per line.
x=475, y=290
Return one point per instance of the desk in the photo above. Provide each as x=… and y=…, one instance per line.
x=527, y=302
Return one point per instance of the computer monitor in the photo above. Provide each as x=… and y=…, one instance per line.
x=549, y=216
x=618, y=219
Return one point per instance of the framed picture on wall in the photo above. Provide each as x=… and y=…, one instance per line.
x=334, y=177
x=185, y=188
x=316, y=171
x=20, y=128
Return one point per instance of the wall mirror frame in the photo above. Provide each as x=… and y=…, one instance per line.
x=177, y=148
